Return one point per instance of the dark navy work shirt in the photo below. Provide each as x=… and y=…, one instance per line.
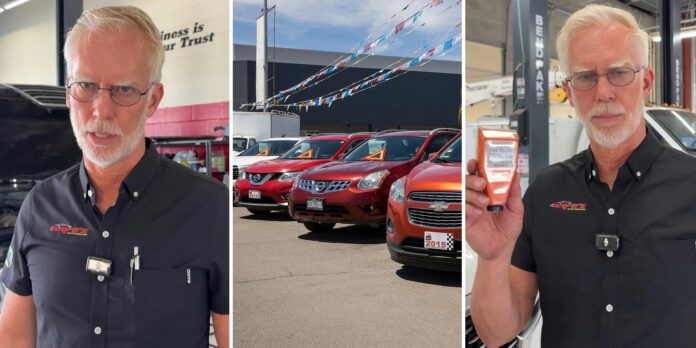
x=643, y=294
x=177, y=219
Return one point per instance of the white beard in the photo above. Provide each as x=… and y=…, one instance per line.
x=106, y=156
x=611, y=138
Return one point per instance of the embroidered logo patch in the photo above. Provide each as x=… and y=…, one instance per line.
x=67, y=229
x=566, y=205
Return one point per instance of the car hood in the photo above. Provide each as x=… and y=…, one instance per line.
x=283, y=165
x=431, y=176
x=245, y=161
x=348, y=170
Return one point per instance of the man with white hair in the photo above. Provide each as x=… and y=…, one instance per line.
x=605, y=238
x=125, y=248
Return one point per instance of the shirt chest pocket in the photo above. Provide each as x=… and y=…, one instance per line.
x=171, y=307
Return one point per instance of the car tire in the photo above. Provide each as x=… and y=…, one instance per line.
x=258, y=211
x=319, y=227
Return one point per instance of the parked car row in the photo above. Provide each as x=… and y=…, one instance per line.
x=406, y=182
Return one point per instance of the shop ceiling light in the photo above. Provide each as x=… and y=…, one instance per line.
x=2, y=10
x=15, y=4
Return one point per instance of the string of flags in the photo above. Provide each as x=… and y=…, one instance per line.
x=397, y=62
x=379, y=78
x=280, y=99
x=342, y=64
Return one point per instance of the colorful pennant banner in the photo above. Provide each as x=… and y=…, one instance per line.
x=378, y=77
x=408, y=22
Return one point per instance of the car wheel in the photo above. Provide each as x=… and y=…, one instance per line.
x=319, y=226
x=258, y=211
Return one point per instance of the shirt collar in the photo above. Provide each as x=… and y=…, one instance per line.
x=638, y=162
x=137, y=180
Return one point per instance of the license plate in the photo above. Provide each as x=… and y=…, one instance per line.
x=254, y=194
x=315, y=203
x=437, y=240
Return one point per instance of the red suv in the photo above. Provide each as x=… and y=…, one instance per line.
x=264, y=186
x=355, y=190
x=424, y=222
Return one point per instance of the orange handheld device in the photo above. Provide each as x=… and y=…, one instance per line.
x=497, y=163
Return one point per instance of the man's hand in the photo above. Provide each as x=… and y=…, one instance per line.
x=489, y=234
x=221, y=326
x=17, y=321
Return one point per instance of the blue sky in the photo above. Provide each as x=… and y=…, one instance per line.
x=343, y=26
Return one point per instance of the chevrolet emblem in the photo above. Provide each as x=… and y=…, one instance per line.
x=438, y=206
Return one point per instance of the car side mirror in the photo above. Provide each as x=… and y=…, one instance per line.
x=342, y=156
x=432, y=156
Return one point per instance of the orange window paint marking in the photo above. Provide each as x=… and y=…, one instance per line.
x=307, y=154
x=497, y=163
x=264, y=152
x=376, y=156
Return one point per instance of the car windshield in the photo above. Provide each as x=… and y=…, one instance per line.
x=388, y=148
x=452, y=154
x=314, y=149
x=681, y=125
x=239, y=144
x=269, y=148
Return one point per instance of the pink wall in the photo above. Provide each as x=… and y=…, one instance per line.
x=188, y=120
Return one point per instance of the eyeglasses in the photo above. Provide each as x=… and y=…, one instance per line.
x=619, y=77
x=122, y=95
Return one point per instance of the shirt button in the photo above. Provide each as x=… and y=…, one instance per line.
x=136, y=194
x=100, y=277
x=97, y=330
x=609, y=308
x=611, y=211
x=610, y=253
x=89, y=193
x=594, y=173
x=105, y=234
x=638, y=174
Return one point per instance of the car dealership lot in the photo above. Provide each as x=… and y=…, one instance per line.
x=299, y=289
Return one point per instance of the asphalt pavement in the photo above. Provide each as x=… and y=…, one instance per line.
x=293, y=288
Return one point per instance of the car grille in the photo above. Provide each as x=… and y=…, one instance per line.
x=329, y=186
x=435, y=219
x=474, y=341
x=415, y=245
x=329, y=210
x=258, y=179
x=235, y=172
x=447, y=197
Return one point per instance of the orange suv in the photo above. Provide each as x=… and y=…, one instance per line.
x=424, y=215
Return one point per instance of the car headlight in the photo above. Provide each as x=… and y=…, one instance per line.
x=242, y=175
x=296, y=182
x=289, y=176
x=397, y=190
x=372, y=181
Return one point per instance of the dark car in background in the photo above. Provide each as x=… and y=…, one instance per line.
x=36, y=141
